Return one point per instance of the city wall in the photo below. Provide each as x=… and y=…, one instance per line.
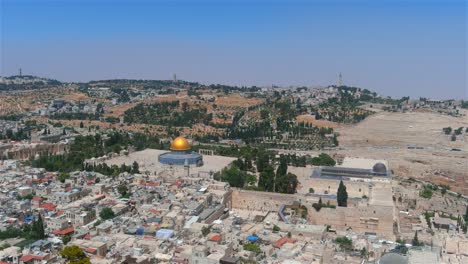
x=361, y=219
x=260, y=201
x=354, y=188
x=28, y=152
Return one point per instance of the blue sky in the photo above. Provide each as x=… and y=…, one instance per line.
x=398, y=48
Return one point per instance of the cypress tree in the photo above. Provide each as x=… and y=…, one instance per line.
x=38, y=228
x=283, y=167
x=466, y=214
x=135, y=167
x=342, y=195
x=415, y=241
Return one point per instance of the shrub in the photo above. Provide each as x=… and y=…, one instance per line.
x=317, y=206
x=252, y=247
x=426, y=193
x=344, y=242
x=323, y=160
x=107, y=213
x=206, y=230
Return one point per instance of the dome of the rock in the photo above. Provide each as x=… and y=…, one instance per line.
x=180, y=144
x=181, y=154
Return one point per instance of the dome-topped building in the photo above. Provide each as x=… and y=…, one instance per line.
x=180, y=144
x=379, y=168
x=181, y=154
x=356, y=168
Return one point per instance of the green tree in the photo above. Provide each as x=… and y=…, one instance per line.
x=426, y=193
x=286, y=183
x=250, y=179
x=342, y=195
x=5, y=245
x=12, y=232
x=107, y=213
x=415, y=242
x=234, y=176
x=63, y=176
x=37, y=230
x=447, y=130
x=66, y=239
x=25, y=197
x=364, y=252
x=135, y=167
x=283, y=167
x=264, y=114
x=323, y=160
x=466, y=214
x=262, y=160
x=344, y=242
x=267, y=178
x=122, y=189
x=252, y=247
x=74, y=255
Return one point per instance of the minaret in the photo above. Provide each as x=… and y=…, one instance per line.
x=20, y=72
x=340, y=80
x=187, y=167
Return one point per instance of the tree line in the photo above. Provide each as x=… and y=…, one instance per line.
x=239, y=174
x=86, y=147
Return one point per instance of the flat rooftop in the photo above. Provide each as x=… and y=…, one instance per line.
x=361, y=163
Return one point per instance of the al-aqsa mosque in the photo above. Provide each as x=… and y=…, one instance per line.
x=181, y=154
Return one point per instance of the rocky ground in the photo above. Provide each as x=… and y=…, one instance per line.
x=414, y=145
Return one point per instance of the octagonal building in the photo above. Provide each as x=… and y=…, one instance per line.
x=181, y=154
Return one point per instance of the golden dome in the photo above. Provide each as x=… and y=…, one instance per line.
x=180, y=143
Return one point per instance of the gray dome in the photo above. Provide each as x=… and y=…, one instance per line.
x=393, y=258
x=379, y=168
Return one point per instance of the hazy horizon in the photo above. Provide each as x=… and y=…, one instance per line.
x=396, y=48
